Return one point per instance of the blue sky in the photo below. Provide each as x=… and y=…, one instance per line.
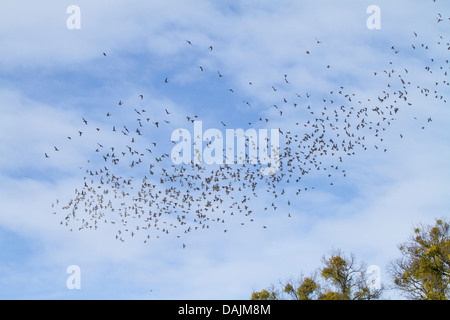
x=52, y=77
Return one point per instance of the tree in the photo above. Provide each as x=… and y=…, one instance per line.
x=341, y=278
x=423, y=270
x=301, y=289
x=348, y=279
x=264, y=295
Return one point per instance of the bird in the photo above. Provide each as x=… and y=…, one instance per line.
x=187, y=197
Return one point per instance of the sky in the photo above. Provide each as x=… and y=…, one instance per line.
x=52, y=77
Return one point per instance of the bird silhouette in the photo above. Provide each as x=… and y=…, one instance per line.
x=155, y=197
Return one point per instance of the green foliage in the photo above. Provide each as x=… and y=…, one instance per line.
x=264, y=295
x=340, y=279
x=423, y=271
x=331, y=295
x=307, y=288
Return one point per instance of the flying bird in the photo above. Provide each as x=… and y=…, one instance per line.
x=182, y=198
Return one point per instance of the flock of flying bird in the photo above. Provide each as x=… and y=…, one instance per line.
x=178, y=199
